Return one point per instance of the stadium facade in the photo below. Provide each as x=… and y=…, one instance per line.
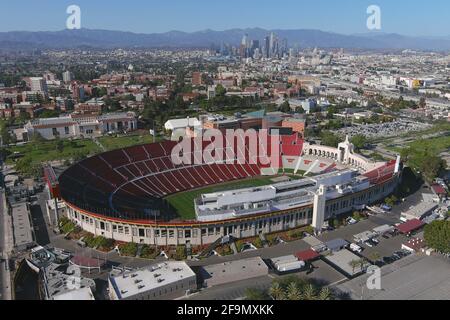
x=120, y=194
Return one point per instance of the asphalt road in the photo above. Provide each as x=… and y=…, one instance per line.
x=323, y=271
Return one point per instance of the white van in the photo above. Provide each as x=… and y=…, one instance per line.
x=355, y=248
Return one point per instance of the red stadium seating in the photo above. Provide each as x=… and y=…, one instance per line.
x=123, y=181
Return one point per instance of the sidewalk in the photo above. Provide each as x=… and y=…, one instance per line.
x=7, y=246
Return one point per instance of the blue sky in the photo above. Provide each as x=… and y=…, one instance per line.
x=409, y=17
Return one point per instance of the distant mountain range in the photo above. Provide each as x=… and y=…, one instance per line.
x=303, y=38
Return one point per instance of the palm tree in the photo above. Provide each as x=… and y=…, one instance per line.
x=362, y=263
x=325, y=294
x=309, y=292
x=354, y=264
x=277, y=292
x=374, y=256
x=293, y=292
x=255, y=294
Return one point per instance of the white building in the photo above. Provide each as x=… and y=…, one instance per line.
x=308, y=104
x=178, y=127
x=211, y=92
x=76, y=126
x=67, y=76
x=168, y=280
x=38, y=84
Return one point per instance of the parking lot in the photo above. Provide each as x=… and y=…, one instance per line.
x=385, y=248
x=416, y=277
x=388, y=129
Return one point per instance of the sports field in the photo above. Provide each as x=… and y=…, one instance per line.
x=183, y=202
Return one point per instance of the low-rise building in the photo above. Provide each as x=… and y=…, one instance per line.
x=233, y=271
x=168, y=280
x=79, y=125
x=22, y=226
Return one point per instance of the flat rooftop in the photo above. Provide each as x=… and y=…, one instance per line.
x=422, y=208
x=23, y=232
x=131, y=283
x=342, y=259
x=60, y=280
x=83, y=294
x=234, y=271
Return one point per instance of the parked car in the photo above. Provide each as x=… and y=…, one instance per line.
x=388, y=260
x=369, y=244
x=379, y=263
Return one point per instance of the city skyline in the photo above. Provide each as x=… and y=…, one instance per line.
x=345, y=17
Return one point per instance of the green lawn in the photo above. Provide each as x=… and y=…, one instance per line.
x=434, y=145
x=112, y=143
x=44, y=151
x=291, y=172
x=183, y=202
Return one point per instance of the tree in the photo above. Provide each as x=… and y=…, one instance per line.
x=422, y=102
x=28, y=168
x=220, y=91
x=375, y=256
x=362, y=263
x=353, y=264
x=437, y=236
x=331, y=111
x=293, y=292
x=359, y=141
x=391, y=201
x=49, y=114
x=325, y=294
x=59, y=145
x=285, y=107
x=300, y=110
x=433, y=167
x=329, y=139
x=309, y=292
x=255, y=295
x=4, y=134
x=277, y=292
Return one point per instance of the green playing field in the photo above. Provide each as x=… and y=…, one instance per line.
x=183, y=202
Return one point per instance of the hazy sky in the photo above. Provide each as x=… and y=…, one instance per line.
x=409, y=17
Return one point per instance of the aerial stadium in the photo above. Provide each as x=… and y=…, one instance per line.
x=124, y=194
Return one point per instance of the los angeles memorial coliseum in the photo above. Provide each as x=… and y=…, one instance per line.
x=121, y=194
